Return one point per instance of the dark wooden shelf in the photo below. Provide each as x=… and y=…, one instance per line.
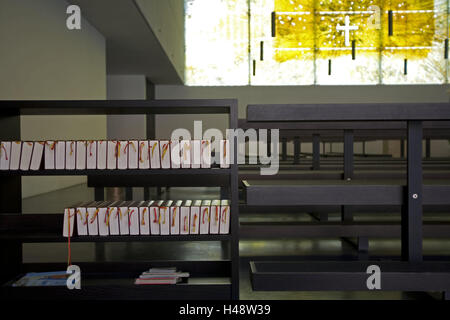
x=339, y=192
x=33, y=237
x=348, y=276
x=117, y=172
x=104, y=107
x=125, y=289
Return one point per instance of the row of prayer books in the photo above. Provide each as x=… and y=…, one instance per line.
x=115, y=154
x=153, y=217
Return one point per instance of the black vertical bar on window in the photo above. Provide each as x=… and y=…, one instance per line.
x=274, y=30
x=406, y=67
x=353, y=50
x=412, y=204
x=261, y=52
x=254, y=67
x=446, y=49
x=391, y=23
x=329, y=67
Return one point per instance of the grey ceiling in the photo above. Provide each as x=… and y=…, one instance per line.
x=132, y=47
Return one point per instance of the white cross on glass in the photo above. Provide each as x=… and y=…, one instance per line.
x=346, y=29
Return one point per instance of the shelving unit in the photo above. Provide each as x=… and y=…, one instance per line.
x=210, y=279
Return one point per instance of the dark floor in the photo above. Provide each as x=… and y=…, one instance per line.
x=55, y=202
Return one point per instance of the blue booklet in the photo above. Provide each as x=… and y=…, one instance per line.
x=42, y=279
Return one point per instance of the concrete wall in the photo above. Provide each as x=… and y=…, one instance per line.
x=41, y=59
x=166, y=18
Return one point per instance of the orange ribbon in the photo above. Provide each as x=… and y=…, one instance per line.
x=224, y=149
x=69, y=251
x=185, y=150
x=156, y=220
x=185, y=223
x=94, y=216
x=164, y=214
x=173, y=216
x=224, y=216
x=141, y=146
x=195, y=219
x=205, y=211
x=79, y=212
x=107, y=216
x=52, y=145
x=165, y=148
x=71, y=147
x=91, y=143
x=143, y=217
x=4, y=148
x=153, y=147
x=117, y=154
x=128, y=146
x=217, y=213
x=129, y=216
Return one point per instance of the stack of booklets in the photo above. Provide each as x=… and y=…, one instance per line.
x=161, y=276
x=42, y=279
x=114, y=154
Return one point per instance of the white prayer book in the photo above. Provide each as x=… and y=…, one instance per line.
x=113, y=218
x=69, y=221
x=36, y=158
x=103, y=218
x=155, y=159
x=206, y=154
x=133, y=154
x=91, y=155
x=133, y=215
x=82, y=218
x=164, y=211
x=122, y=158
x=144, y=155
x=49, y=155
x=224, y=154
x=81, y=155
x=102, y=154
x=155, y=217
x=92, y=211
x=195, y=217
x=122, y=155
x=175, y=217
x=196, y=154
x=164, y=146
x=215, y=217
x=70, y=155
x=25, y=157
x=16, y=148
x=113, y=150
x=124, y=223
x=5, y=155
x=185, y=212
x=205, y=212
x=185, y=153
x=175, y=154
x=144, y=217
x=60, y=155
x=225, y=217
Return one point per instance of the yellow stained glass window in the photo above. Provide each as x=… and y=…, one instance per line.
x=303, y=42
